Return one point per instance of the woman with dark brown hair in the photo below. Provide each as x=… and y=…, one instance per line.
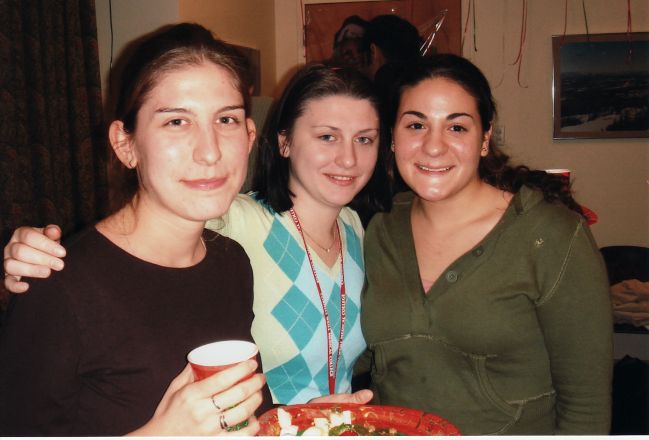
x=320, y=153
x=486, y=299
x=91, y=350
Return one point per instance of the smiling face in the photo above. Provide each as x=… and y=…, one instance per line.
x=332, y=150
x=190, y=145
x=438, y=139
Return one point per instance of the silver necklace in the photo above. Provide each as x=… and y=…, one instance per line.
x=324, y=248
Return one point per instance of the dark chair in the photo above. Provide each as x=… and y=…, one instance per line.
x=626, y=262
x=630, y=375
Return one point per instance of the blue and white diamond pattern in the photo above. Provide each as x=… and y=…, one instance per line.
x=300, y=313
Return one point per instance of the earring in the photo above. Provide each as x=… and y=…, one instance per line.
x=131, y=163
x=392, y=146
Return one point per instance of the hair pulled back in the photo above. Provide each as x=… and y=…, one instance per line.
x=141, y=65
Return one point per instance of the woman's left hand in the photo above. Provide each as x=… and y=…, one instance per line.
x=361, y=396
x=208, y=406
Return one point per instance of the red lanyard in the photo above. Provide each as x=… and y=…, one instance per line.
x=343, y=299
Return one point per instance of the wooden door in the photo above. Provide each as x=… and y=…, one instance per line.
x=322, y=20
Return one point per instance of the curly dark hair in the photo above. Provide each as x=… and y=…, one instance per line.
x=494, y=168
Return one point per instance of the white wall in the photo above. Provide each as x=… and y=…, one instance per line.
x=131, y=19
x=609, y=176
x=249, y=23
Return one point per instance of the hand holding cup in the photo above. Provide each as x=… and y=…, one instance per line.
x=217, y=356
x=202, y=407
x=210, y=359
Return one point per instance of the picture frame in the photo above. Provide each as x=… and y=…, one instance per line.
x=601, y=85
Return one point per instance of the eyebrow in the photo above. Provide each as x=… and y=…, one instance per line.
x=184, y=110
x=330, y=127
x=338, y=129
x=423, y=116
x=368, y=129
x=457, y=115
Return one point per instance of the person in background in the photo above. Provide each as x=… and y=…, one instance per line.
x=390, y=39
x=91, y=350
x=486, y=299
x=320, y=152
x=391, y=44
x=348, y=43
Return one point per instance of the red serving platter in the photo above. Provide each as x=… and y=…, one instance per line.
x=405, y=420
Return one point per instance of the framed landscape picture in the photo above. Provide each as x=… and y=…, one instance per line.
x=601, y=85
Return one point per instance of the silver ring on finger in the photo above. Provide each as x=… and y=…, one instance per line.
x=222, y=422
x=218, y=408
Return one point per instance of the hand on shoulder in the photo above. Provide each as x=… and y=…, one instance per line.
x=32, y=252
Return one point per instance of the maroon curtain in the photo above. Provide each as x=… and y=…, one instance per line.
x=53, y=150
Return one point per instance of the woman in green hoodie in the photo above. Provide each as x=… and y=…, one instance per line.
x=486, y=300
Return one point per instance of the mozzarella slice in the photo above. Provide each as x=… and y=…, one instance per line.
x=289, y=430
x=336, y=419
x=314, y=431
x=347, y=417
x=284, y=418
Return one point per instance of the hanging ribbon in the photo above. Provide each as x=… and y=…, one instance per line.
x=302, y=17
x=583, y=7
x=475, y=46
x=502, y=48
x=628, y=19
x=519, y=57
x=629, y=29
x=436, y=23
x=565, y=19
x=466, y=26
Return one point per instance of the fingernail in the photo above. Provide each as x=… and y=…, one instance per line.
x=57, y=265
x=59, y=252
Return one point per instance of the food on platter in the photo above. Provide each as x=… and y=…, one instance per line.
x=326, y=419
x=338, y=423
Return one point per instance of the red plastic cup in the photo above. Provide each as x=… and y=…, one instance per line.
x=563, y=173
x=560, y=171
x=217, y=356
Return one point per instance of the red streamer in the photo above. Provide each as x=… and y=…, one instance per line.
x=466, y=26
x=583, y=7
x=565, y=20
x=519, y=57
x=629, y=29
x=302, y=16
x=628, y=18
